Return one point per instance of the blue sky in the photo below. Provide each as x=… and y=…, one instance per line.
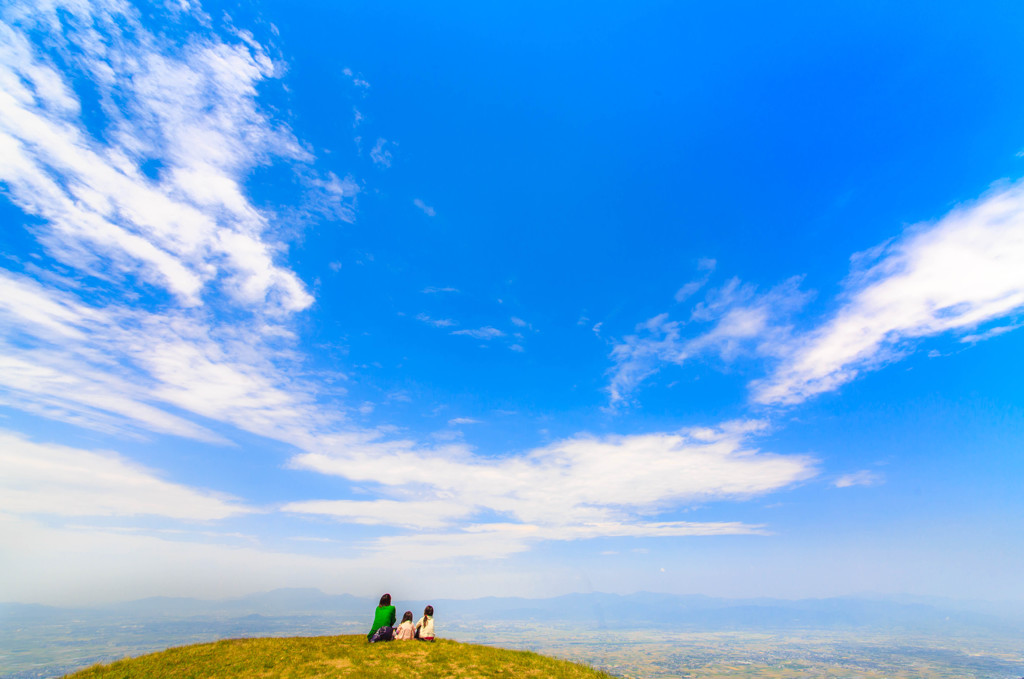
x=465, y=300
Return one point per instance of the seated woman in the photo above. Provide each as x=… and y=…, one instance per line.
x=405, y=630
x=425, y=625
x=383, y=621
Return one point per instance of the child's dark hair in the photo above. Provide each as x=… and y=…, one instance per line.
x=385, y=600
x=429, y=610
x=407, y=616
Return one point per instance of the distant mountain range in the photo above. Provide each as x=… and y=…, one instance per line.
x=594, y=610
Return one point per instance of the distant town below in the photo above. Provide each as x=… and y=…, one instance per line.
x=638, y=635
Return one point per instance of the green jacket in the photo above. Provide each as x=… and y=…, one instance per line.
x=385, y=615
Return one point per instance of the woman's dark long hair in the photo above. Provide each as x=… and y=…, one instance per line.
x=385, y=600
x=407, y=616
x=428, y=611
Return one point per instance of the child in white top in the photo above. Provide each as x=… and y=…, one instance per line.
x=425, y=625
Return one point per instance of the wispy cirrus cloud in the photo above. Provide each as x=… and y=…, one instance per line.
x=333, y=197
x=381, y=153
x=356, y=80
x=485, y=333
x=426, y=209
x=990, y=333
x=865, y=477
x=406, y=513
x=189, y=111
x=436, y=322
x=146, y=195
x=732, y=321
x=499, y=540
x=112, y=368
x=58, y=358
x=707, y=267
x=951, y=276
x=463, y=420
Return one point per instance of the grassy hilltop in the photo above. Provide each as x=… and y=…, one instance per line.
x=339, y=656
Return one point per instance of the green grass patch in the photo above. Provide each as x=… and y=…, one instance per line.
x=340, y=656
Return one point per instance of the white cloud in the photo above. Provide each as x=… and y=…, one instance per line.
x=433, y=290
x=484, y=333
x=381, y=154
x=225, y=381
x=427, y=210
x=952, y=276
x=189, y=106
x=333, y=198
x=500, y=540
x=52, y=385
x=576, y=488
x=57, y=359
x=990, y=333
x=862, y=478
x=519, y=322
x=688, y=290
x=115, y=369
x=745, y=322
x=358, y=81
x=411, y=514
x=25, y=302
x=438, y=322
x=462, y=420
x=58, y=480
x=193, y=108
x=493, y=541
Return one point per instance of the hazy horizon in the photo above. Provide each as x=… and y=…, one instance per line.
x=999, y=607
x=649, y=635
x=511, y=300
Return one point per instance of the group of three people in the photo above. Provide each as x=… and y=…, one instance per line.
x=384, y=624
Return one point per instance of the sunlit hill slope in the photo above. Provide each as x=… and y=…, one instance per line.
x=337, y=656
